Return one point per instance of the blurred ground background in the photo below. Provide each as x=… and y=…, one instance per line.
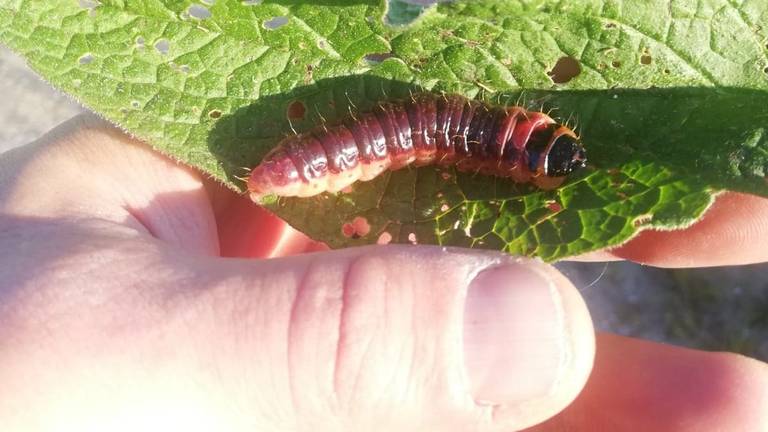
x=714, y=309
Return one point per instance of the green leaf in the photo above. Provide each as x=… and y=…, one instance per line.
x=670, y=98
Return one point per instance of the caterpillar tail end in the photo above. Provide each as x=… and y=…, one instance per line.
x=256, y=197
x=259, y=184
x=255, y=191
x=274, y=176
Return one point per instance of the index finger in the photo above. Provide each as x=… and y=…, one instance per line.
x=734, y=231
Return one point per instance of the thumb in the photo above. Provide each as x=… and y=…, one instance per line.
x=403, y=338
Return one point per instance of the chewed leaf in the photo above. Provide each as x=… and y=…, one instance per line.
x=670, y=101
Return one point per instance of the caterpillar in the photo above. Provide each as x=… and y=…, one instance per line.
x=504, y=141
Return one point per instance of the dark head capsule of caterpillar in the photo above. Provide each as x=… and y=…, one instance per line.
x=565, y=156
x=554, y=151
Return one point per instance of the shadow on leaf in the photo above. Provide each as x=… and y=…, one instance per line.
x=655, y=157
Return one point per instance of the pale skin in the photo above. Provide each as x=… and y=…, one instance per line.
x=118, y=311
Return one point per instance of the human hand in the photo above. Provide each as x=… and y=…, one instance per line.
x=117, y=312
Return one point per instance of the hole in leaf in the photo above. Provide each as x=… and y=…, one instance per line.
x=376, y=58
x=308, y=73
x=135, y=104
x=610, y=25
x=565, y=70
x=91, y=5
x=162, y=46
x=554, y=206
x=404, y=12
x=616, y=64
x=412, y=238
x=359, y=227
x=276, y=22
x=296, y=110
x=642, y=220
x=645, y=59
x=140, y=42
x=765, y=69
x=199, y=11
x=184, y=68
x=666, y=71
x=251, y=2
x=347, y=230
x=214, y=114
x=384, y=238
x=362, y=227
x=85, y=59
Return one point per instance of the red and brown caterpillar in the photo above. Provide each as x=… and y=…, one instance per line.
x=511, y=142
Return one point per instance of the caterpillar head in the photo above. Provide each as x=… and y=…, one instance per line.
x=563, y=156
x=554, y=151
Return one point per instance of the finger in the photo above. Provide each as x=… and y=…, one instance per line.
x=247, y=230
x=86, y=169
x=639, y=386
x=370, y=339
x=361, y=339
x=128, y=183
x=732, y=232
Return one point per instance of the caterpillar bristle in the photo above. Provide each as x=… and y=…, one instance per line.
x=290, y=124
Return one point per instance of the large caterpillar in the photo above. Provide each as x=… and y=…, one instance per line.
x=525, y=146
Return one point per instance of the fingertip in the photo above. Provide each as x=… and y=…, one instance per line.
x=742, y=392
x=731, y=232
x=576, y=345
x=247, y=230
x=641, y=385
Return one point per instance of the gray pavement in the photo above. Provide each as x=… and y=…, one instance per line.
x=28, y=105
